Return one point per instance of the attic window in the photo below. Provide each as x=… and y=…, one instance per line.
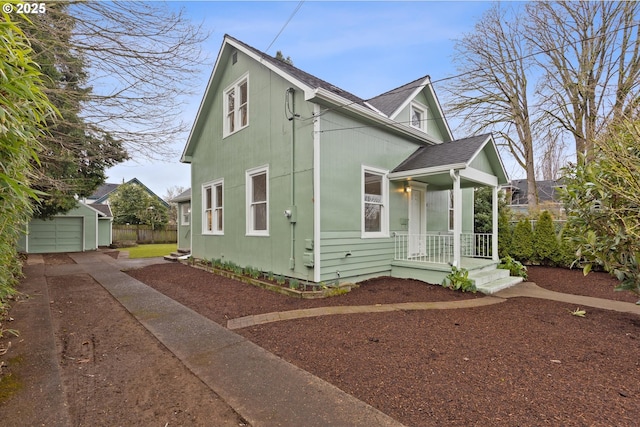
x=234, y=57
x=236, y=106
x=418, y=117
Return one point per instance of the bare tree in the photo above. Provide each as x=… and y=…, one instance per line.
x=173, y=192
x=142, y=59
x=550, y=156
x=590, y=54
x=491, y=92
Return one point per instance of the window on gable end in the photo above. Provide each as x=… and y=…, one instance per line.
x=418, y=117
x=236, y=106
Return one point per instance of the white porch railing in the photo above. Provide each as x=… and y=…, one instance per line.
x=476, y=245
x=438, y=248
x=433, y=248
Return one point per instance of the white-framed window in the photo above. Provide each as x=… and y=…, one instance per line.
x=236, y=106
x=375, y=202
x=418, y=116
x=185, y=213
x=451, y=210
x=257, y=184
x=213, y=207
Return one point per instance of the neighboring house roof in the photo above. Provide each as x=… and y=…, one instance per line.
x=185, y=196
x=547, y=191
x=103, y=209
x=381, y=108
x=103, y=192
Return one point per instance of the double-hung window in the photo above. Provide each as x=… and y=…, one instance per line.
x=213, y=206
x=185, y=213
x=418, y=117
x=257, y=184
x=236, y=106
x=375, y=202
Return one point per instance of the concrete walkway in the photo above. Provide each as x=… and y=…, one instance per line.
x=262, y=388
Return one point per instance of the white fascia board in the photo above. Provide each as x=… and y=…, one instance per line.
x=478, y=176
x=395, y=176
x=410, y=98
x=184, y=158
x=495, y=150
x=429, y=86
x=345, y=104
x=258, y=58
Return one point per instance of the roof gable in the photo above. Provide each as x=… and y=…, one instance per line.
x=457, y=154
x=318, y=90
x=103, y=192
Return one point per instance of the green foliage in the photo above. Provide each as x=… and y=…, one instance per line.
x=280, y=280
x=545, y=241
x=483, y=219
x=458, y=279
x=294, y=283
x=132, y=204
x=75, y=155
x=516, y=268
x=522, y=241
x=602, y=201
x=151, y=251
x=24, y=112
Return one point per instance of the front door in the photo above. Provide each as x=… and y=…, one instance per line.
x=417, y=221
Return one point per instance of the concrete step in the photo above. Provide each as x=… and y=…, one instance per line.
x=171, y=257
x=183, y=251
x=487, y=276
x=498, y=285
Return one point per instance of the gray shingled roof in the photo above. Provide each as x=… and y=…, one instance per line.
x=102, y=208
x=303, y=76
x=185, y=196
x=547, y=191
x=103, y=190
x=448, y=153
x=390, y=101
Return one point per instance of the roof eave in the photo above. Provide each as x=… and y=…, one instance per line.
x=426, y=171
x=321, y=94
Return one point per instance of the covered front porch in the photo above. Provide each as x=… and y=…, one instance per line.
x=439, y=181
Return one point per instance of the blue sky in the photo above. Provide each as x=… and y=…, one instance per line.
x=364, y=47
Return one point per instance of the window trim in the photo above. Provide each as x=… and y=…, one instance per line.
x=212, y=185
x=384, y=221
x=185, y=217
x=423, y=109
x=249, y=174
x=237, y=120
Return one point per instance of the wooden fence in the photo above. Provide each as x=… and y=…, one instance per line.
x=144, y=234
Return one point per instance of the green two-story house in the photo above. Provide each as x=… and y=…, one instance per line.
x=293, y=175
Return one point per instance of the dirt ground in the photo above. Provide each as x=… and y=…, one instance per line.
x=519, y=363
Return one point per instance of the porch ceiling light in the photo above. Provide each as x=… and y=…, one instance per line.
x=407, y=187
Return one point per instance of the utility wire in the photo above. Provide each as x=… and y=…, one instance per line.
x=285, y=25
x=455, y=76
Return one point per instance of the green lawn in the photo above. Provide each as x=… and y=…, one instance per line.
x=150, y=251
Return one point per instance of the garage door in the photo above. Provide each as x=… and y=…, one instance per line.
x=62, y=234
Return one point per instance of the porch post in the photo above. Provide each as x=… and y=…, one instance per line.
x=457, y=217
x=494, y=228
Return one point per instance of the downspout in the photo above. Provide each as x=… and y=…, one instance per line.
x=292, y=214
x=457, y=217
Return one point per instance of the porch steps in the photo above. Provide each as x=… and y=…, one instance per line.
x=491, y=280
x=180, y=253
